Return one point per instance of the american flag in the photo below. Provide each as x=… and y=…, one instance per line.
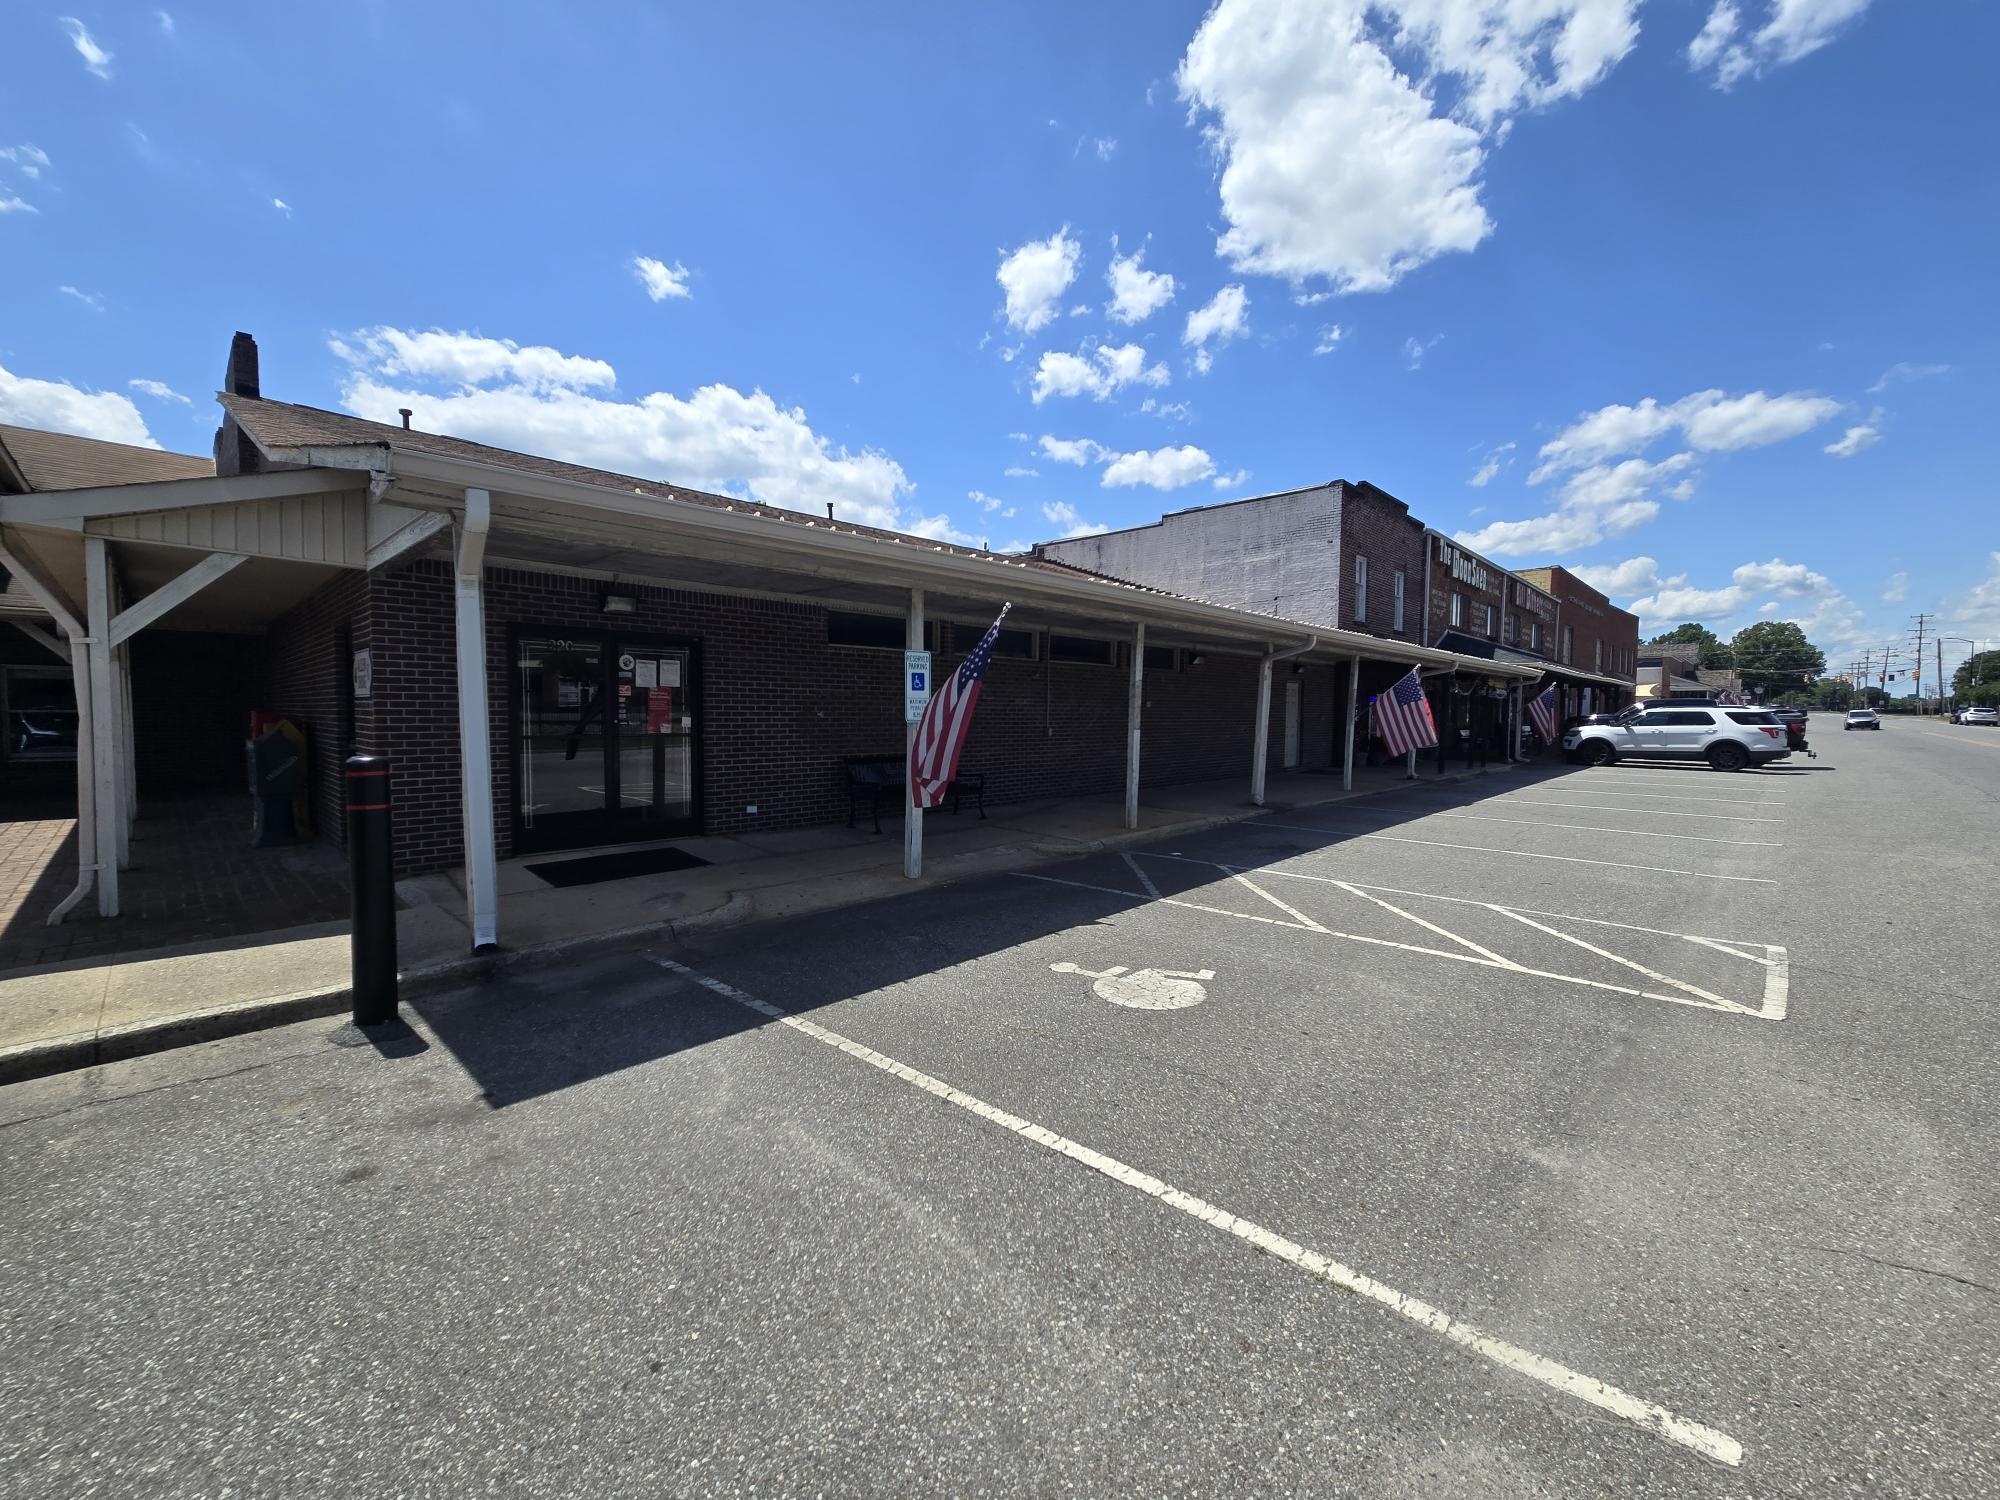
x=1543, y=711
x=947, y=718
x=1403, y=716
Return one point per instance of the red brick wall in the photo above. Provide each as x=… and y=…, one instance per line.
x=780, y=709
x=1376, y=525
x=1444, y=585
x=303, y=679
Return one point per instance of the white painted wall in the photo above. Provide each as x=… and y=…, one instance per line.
x=1279, y=553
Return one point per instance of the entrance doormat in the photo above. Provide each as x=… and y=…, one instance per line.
x=622, y=865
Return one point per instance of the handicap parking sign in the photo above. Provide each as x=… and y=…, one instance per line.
x=916, y=684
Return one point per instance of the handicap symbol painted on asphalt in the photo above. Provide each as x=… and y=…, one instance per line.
x=1144, y=989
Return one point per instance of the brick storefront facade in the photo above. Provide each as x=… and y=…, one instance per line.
x=1377, y=526
x=779, y=707
x=1594, y=635
x=1467, y=593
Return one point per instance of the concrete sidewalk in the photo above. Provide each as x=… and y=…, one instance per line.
x=97, y=1010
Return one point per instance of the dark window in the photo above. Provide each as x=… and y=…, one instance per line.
x=1753, y=718
x=39, y=713
x=883, y=632
x=1685, y=716
x=1654, y=719
x=1019, y=644
x=1082, y=648
x=1161, y=659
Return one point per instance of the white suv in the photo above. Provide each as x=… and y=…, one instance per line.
x=1728, y=738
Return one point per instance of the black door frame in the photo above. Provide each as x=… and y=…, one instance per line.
x=606, y=828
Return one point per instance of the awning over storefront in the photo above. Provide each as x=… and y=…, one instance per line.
x=1461, y=644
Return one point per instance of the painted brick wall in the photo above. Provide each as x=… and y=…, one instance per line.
x=1276, y=553
x=1444, y=585
x=781, y=709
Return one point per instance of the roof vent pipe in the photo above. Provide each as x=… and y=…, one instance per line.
x=829, y=510
x=404, y=413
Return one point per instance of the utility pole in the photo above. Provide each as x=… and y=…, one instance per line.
x=1917, y=677
x=1940, y=676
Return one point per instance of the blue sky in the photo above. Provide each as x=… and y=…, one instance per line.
x=1693, y=296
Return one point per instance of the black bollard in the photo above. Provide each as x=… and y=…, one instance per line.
x=370, y=860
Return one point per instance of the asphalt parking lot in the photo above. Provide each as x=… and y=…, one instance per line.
x=1622, y=1131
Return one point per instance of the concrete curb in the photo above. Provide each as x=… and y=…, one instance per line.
x=40, y=1059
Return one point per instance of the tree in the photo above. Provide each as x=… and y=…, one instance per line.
x=1774, y=655
x=1714, y=653
x=1975, y=670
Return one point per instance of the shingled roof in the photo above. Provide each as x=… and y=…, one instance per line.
x=63, y=461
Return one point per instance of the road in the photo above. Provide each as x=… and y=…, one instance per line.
x=1620, y=1132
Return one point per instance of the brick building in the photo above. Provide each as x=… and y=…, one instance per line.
x=555, y=657
x=1593, y=635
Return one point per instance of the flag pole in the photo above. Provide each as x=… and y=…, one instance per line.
x=913, y=815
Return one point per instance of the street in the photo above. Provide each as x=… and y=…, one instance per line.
x=1621, y=1131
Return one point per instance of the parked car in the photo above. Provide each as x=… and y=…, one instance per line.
x=1728, y=738
x=1862, y=718
x=1979, y=716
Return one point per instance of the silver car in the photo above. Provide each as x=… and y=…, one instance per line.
x=1862, y=718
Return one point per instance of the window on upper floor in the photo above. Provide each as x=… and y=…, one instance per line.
x=1458, y=609
x=1569, y=642
x=1398, y=591
x=1361, y=590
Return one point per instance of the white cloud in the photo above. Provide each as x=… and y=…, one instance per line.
x=1491, y=466
x=95, y=59
x=1162, y=468
x=1636, y=575
x=467, y=359
x=661, y=280
x=1897, y=589
x=90, y=300
x=1226, y=482
x=1672, y=601
x=1856, y=438
x=1904, y=370
x=1136, y=293
x=1071, y=450
x=983, y=500
x=9, y=204
x=1035, y=276
x=29, y=161
x=159, y=390
x=1329, y=339
x=166, y=22
x=1105, y=147
x=1769, y=607
x=1793, y=29
x=1338, y=164
x=939, y=529
x=58, y=406
x=282, y=207
x=1109, y=368
x=1020, y=471
x=1976, y=613
x=538, y=400
x=1414, y=352
x=1167, y=411
x=1224, y=317
x=1712, y=421
x=1062, y=513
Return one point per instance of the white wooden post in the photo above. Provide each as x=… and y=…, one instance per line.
x=475, y=730
x=1134, y=703
x=1263, y=735
x=913, y=815
x=1353, y=708
x=128, y=753
x=104, y=722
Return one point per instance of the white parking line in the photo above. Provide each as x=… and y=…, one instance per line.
x=1647, y=1415
x=1630, y=833
x=1650, y=812
x=1594, y=790
x=1567, y=859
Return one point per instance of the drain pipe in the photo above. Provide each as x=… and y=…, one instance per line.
x=1263, y=749
x=86, y=784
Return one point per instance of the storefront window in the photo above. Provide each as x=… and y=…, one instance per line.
x=40, y=714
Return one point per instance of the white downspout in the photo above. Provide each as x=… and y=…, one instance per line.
x=475, y=730
x=1264, y=714
x=86, y=775
x=1135, y=697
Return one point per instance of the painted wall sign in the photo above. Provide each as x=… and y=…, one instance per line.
x=364, y=673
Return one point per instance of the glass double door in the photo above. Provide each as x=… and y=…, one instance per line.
x=606, y=739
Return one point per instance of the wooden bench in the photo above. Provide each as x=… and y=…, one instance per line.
x=877, y=778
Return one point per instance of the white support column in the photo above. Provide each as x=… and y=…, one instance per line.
x=104, y=722
x=1134, y=704
x=475, y=729
x=1262, y=738
x=1353, y=710
x=913, y=815
x=128, y=753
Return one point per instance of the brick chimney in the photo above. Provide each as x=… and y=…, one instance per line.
x=234, y=452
